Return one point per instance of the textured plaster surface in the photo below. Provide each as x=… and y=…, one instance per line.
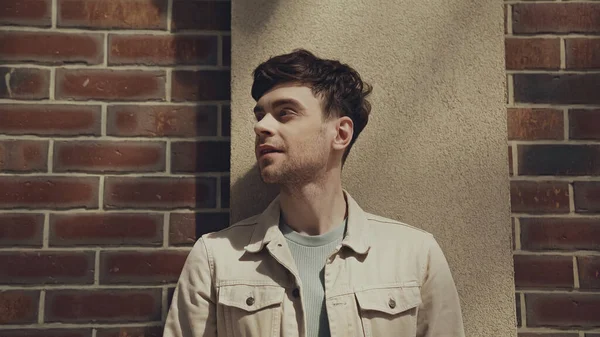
x=434, y=152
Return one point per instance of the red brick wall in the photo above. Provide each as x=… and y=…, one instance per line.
x=114, y=157
x=553, y=72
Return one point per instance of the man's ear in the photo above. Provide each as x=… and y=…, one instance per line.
x=345, y=130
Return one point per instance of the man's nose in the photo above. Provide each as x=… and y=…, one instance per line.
x=265, y=126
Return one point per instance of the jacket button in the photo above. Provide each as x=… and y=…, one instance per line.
x=250, y=300
x=296, y=293
x=392, y=303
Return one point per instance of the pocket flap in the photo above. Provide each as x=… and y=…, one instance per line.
x=391, y=300
x=250, y=298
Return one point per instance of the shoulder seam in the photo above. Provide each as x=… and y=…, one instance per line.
x=390, y=221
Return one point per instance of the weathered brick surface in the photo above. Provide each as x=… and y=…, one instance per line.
x=543, y=234
x=26, y=12
x=21, y=229
x=114, y=229
x=559, y=160
x=186, y=228
x=563, y=310
x=557, y=89
x=162, y=50
x=51, y=48
x=18, y=306
x=109, y=156
x=23, y=155
x=539, y=197
x=159, y=193
x=203, y=85
x=47, y=268
x=141, y=267
x=535, y=124
x=535, y=53
x=589, y=272
x=50, y=119
x=200, y=156
x=111, y=85
x=583, y=53
x=584, y=124
x=48, y=333
x=24, y=83
x=545, y=271
x=587, y=197
x=537, y=18
x=151, y=331
x=205, y=15
x=102, y=306
x=162, y=121
x=48, y=192
x=125, y=14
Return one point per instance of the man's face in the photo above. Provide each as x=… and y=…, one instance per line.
x=293, y=141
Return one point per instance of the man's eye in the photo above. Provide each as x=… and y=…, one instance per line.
x=285, y=112
x=259, y=116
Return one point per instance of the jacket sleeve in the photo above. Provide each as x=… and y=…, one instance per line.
x=193, y=309
x=439, y=313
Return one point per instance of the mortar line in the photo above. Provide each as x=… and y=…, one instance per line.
x=124, y=67
x=219, y=192
x=50, y=155
x=168, y=84
x=168, y=150
x=581, y=334
x=563, y=54
x=169, y=16
x=509, y=27
x=54, y=14
x=511, y=96
x=105, y=61
x=219, y=50
x=46, y=231
x=101, y=193
x=219, y=120
x=103, y=119
x=571, y=199
x=94, y=331
x=517, y=233
x=52, y=88
x=165, y=301
x=97, y=268
x=41, y=304
x=166, y=221
x=566, y=124
x=523, y=310
x=576, y=284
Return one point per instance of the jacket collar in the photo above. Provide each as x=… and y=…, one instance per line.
x=267, y=227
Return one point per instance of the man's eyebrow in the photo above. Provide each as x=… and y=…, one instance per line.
x=276, y=103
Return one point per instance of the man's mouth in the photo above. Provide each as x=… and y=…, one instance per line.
x=264, y=150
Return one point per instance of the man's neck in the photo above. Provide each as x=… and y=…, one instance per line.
x=314, y=208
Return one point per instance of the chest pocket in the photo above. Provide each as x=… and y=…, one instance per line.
x=389, y=310
x=251, y=310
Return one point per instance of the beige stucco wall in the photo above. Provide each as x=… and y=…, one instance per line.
x=434, y=153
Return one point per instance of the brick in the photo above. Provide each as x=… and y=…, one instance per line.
x=582, y=53
x=227, y=50
x=587, y=197
x=201, y=15
x=203, y=85
x=114, y=85
x=208, y=156
x=557, y=89
x=109, y=156
x=226, y=120
x=535, y=124
x=21, y=229
x=163, y=49
x=186, y=228
x=589, y=271
x=161, y=121
x=160, y=193
x=518, y=311
x=47, y=267
x=225, y=188
x=51, y=48
x=556, y=18
x=510, y=161
x=47, y=333
x=26, y=13
x=539, y=197
x=534, y=53
x=50, y=120
x=543, y=271
x=103, y=14
x=584, y=124
x=106, y=229
x=24, y=83
x=23, y=155
x=563, y=310
x=148, y=331
x=141, y=267
x=540, y=234
x=50, y=192
x=18, y=306
x=559, y=160
x=102, y=306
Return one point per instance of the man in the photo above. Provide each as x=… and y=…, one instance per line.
x=313, y=263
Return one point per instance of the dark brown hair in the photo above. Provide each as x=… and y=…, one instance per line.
x=342, y=91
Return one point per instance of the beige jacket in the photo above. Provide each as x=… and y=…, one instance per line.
x=385, y=279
